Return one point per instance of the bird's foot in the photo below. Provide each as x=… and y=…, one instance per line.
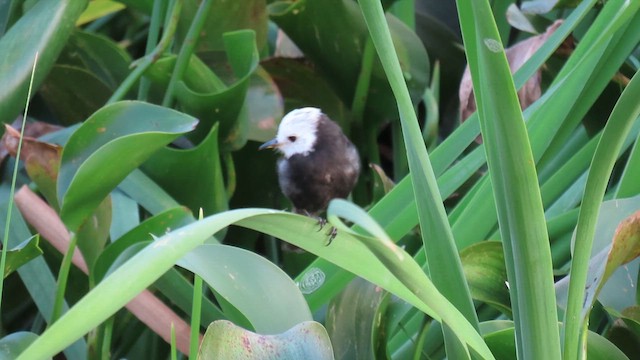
x=331, y=234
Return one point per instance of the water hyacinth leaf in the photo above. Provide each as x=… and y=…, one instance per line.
x=484, y=268
x=503, y=346
x=22, y=254
x=224, y=340
x=98, y=9
x=44, y=29
x=193, y=177
x=249, y=282
x=73, y=93
x=224, y=17
x=13, y=344
x=197, y=76
x=226, y=106
x=107, y=147
x=97, y=54
x=312, y=24
x=356, y=320
x=264, y=106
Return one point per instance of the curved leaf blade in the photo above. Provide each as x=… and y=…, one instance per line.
x=107, y=147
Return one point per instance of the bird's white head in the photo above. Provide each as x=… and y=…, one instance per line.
x=297, y=132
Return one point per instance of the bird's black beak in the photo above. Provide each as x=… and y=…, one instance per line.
x=269, y=144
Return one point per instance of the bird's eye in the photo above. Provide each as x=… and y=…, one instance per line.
x=292, y=138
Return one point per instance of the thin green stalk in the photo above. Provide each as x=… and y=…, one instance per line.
x=107, y=329
x=152, y=42
x=5, y=238
x=143, y=64
x=195, y=317
x=63, y=277
x=625, y=112
x=187, y=49
x=174, y=350
x=362, y=86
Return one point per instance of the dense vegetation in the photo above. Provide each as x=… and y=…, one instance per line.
x=144, y=214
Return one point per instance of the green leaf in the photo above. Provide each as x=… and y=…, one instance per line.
x=13, y=344
x=226, y=106
x=110, y=144
x=313, y=24
x=226, y=16
x=98, y=9
x=224, y=340
x=356, y=321
x=486, y=273
x=97, y=54
x=22, y=254
x=193, y=177
x=73, y=93
x=502, y=344
x=260, y=290
x=44, y=29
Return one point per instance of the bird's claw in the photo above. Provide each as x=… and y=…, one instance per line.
x=332, y=233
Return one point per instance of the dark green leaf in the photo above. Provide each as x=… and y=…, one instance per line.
x=44, y=29
x=107, y=147
x=22, y=254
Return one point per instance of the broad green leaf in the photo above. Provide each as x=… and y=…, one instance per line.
x=313, y=24
x=22, y=254
x=98, y=9
x=356, y=321
x=193, y=176
x=13, y=344
x=224, y=340
x=225, y=106
x=73, y=93
x=226, y=16
x=486, y=273
x=261, y=291
x=107, y=147
x=264, y=105
x=97, y=54
x=44, y=29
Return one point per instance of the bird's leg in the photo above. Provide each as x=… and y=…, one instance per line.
x=332, y=233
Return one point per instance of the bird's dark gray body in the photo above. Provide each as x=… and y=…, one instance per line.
x=319, y=162
x=330, y=171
